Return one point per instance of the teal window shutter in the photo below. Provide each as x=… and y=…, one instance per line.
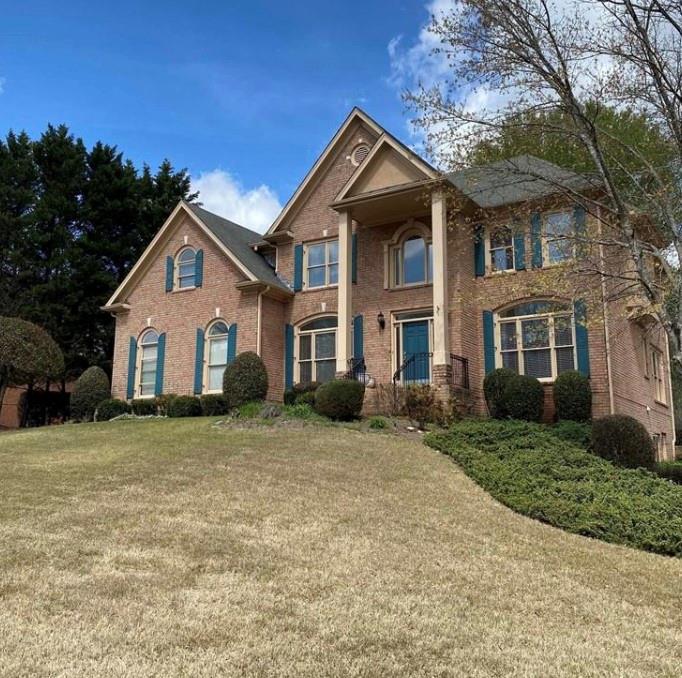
x=288, y=356
x=199, y=362
x=170, y=269
x=231, y=343
x=358, y=338
x=479, y=251
x=520, y=251
x=354, y=258
x=581, y=343
x=298, y=268
x=132, y=363
x=160, y=356
x=536, y=239
x=199, y=269
x=488, y=341
x=579, y=218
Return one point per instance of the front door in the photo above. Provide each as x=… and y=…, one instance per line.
x=416, y=352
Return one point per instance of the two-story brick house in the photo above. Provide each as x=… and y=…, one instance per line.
x=373, y=266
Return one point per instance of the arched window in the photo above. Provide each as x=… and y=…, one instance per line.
x=216, y=338
x=148, y=352
x=186, y=268
x=537, y=338
x=317, y=350
x=411, y=260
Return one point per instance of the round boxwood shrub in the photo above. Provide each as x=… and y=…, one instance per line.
x=572, y=396
x=524, y=398
x=110, y=408
x=144, y=407
x=290, y=396
x=184, y=406
x=340, y=399
x=213, y=405
x=494, y=386
x=90, y=389
x=245, y=380
x=623, y=440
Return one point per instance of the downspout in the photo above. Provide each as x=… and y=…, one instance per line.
x=607, y=338
x=670, y=392
x=259, y=324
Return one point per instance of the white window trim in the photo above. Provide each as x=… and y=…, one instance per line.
x=327, y=264
x=176, y=270
x=658, y=375
x=297, y=346
x=488, y=256
x=207, y=355
x=519, y=340
x=396, y=326
x=546, y=241
x=138, y=365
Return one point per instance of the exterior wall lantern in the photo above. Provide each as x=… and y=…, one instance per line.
x=381, y=320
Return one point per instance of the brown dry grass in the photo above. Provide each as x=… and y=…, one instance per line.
x=173, y=548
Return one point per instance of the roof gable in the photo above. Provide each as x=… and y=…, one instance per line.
x=390, y=163
x=322, y=163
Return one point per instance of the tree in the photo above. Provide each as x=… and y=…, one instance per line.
x=569, y=74
x=27, y=354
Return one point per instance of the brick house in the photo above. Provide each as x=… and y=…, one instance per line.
x=373, y=268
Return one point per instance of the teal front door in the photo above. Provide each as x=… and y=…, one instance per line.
x=416, y=355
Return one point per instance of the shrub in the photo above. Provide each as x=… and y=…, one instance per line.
x=623, y=440
x=213, y=405
x=420, y=403
x=572, y=397
x=524, y=398
x=302, y=411
x=245, y=379
x=270, y=411
x=110, y=408
x=144, y=407
x=576, y=432
x=340, y=399
x=306, y=387
x=184, y=406
x=249, y=410
x=289, y=396
x=494, y=386
x=163, y=402
x=671, y=470
x=90, y=389
x=378, y=423
x=527, y=468
x=307, y=398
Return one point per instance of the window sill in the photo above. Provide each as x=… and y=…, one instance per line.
x=661, y=403
x=319, y=289
x=184, y=289
x=416, y=286
x=144, y=397
x=497, y=274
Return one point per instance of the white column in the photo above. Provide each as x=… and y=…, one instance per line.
x=345, y=288
x=439, y=229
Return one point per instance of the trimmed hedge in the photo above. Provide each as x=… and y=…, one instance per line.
x=624, y=441
x=245, y=380
x=110, y=408
x=90, y=389
x=671, y=470
x=573, y=397
x=494, y=386
x=163, y=402
x=530, y=470
x=144, y=407
x=184, y=406
x=213, y=405
x=340, y=399
x=524, y=398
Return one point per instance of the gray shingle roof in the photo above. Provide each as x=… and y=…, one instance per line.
x=517, y=179
x=239, y=240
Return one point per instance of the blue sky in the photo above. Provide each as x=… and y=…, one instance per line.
x=243, y=94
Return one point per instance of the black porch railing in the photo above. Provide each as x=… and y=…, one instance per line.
x=357, y=370
x=416, y=369
x=460, y=371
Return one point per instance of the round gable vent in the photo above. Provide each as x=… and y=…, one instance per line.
x=360, y=152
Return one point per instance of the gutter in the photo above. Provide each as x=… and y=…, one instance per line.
x=607, y=337
x=259, y=339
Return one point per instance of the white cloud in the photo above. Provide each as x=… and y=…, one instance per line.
x=221, y=193
x=2, y=85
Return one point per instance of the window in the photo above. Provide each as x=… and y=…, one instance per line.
x=412, y=262
x=501, y=249
x=149, y=345
x=186, y=268
x=536, y=338
x=217, y=356
x=322, y=264
x=657, y=374
x=317, y=350
x=559, y=241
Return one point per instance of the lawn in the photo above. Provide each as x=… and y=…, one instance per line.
x=176, y=548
